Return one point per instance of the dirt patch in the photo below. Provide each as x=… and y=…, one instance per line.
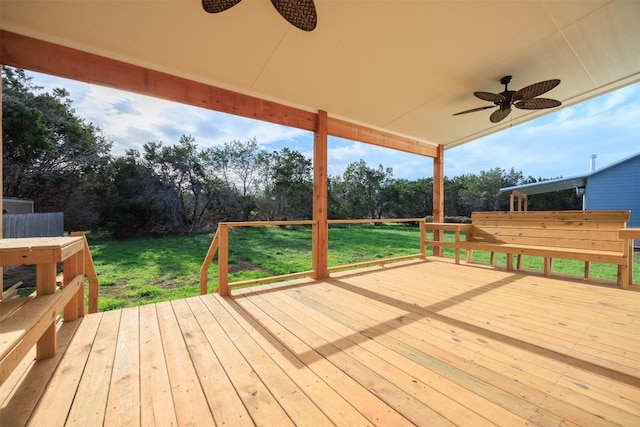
x=19, y=273
x=242, y=265
x=27, y=275
x=168, y=283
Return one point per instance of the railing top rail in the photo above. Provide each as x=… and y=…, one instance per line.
x=369, y=220
x=266, y=223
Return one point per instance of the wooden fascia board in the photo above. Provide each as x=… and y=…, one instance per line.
x=347, y=130
x=37, y=55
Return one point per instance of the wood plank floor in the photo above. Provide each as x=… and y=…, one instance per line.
x=421, y=343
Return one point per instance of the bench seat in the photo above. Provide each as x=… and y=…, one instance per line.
x=610, y=257
x=26, y=320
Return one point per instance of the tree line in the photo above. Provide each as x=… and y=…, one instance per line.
x=64, y=164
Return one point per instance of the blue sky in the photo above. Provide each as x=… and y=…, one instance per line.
x=558, y=144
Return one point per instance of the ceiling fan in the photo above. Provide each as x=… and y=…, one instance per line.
x=524, y=99
x=300, y=13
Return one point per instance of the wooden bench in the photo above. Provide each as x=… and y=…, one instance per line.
x=25, y=322
x=589, y=236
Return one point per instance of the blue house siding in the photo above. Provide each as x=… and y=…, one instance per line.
x=616, y=188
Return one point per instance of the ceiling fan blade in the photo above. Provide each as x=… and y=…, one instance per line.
x=491, y=97
x=535, y=89
x=473, y=110
x=537, y=104
x=215, y=6
x=499, y=114
x=299, y=13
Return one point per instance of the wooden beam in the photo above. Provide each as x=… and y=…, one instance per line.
x=320, y=199
x=37, y=55
x=354, y=132
x=1, y=184
x=438, y=196
x=223, y=259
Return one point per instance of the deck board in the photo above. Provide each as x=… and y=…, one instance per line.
x=123, y=405
x=418, y=343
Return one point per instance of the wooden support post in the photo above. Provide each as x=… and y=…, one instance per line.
x=320, y=199
x=46, y=285
x=627, y=276
x=438, y=197
x=468, y=256
x=1, y=187
x=520, y=199
x=223, y=260
x=423, y=240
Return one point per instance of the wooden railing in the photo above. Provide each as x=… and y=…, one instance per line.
x=381, y=262
x=220, y=246
x=90, y=274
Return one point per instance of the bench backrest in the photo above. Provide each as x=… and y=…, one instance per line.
x=567, y=229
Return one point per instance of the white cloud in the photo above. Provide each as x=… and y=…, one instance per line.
x=555, y=145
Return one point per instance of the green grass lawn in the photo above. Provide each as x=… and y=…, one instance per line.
x=147, y=270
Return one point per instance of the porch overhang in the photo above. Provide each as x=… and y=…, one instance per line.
x=400, y=68
x=548, y=186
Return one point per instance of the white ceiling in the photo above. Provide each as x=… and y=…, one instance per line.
x=401, y=66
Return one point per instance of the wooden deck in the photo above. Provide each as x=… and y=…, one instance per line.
x=423, y=343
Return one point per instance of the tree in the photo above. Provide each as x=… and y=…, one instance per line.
x=555, y=200
x=482, y=192
x=367, y=191
x=289, y=194
x=138, y=203
x=184, y=167
x=414, y=199
x=241, y=168
x=49, y=154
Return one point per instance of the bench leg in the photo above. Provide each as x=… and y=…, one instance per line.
x=519, y=264
x=492, y=258
x=624, y=278
x=46, y=346
x=587, y=270
x=46, y=285
x=469, y=255
x=548, y=266
x=509, y=262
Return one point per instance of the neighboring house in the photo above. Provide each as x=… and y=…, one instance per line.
x=614, y=187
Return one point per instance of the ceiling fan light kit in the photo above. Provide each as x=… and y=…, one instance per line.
x=299, y=13
x=524, y=99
